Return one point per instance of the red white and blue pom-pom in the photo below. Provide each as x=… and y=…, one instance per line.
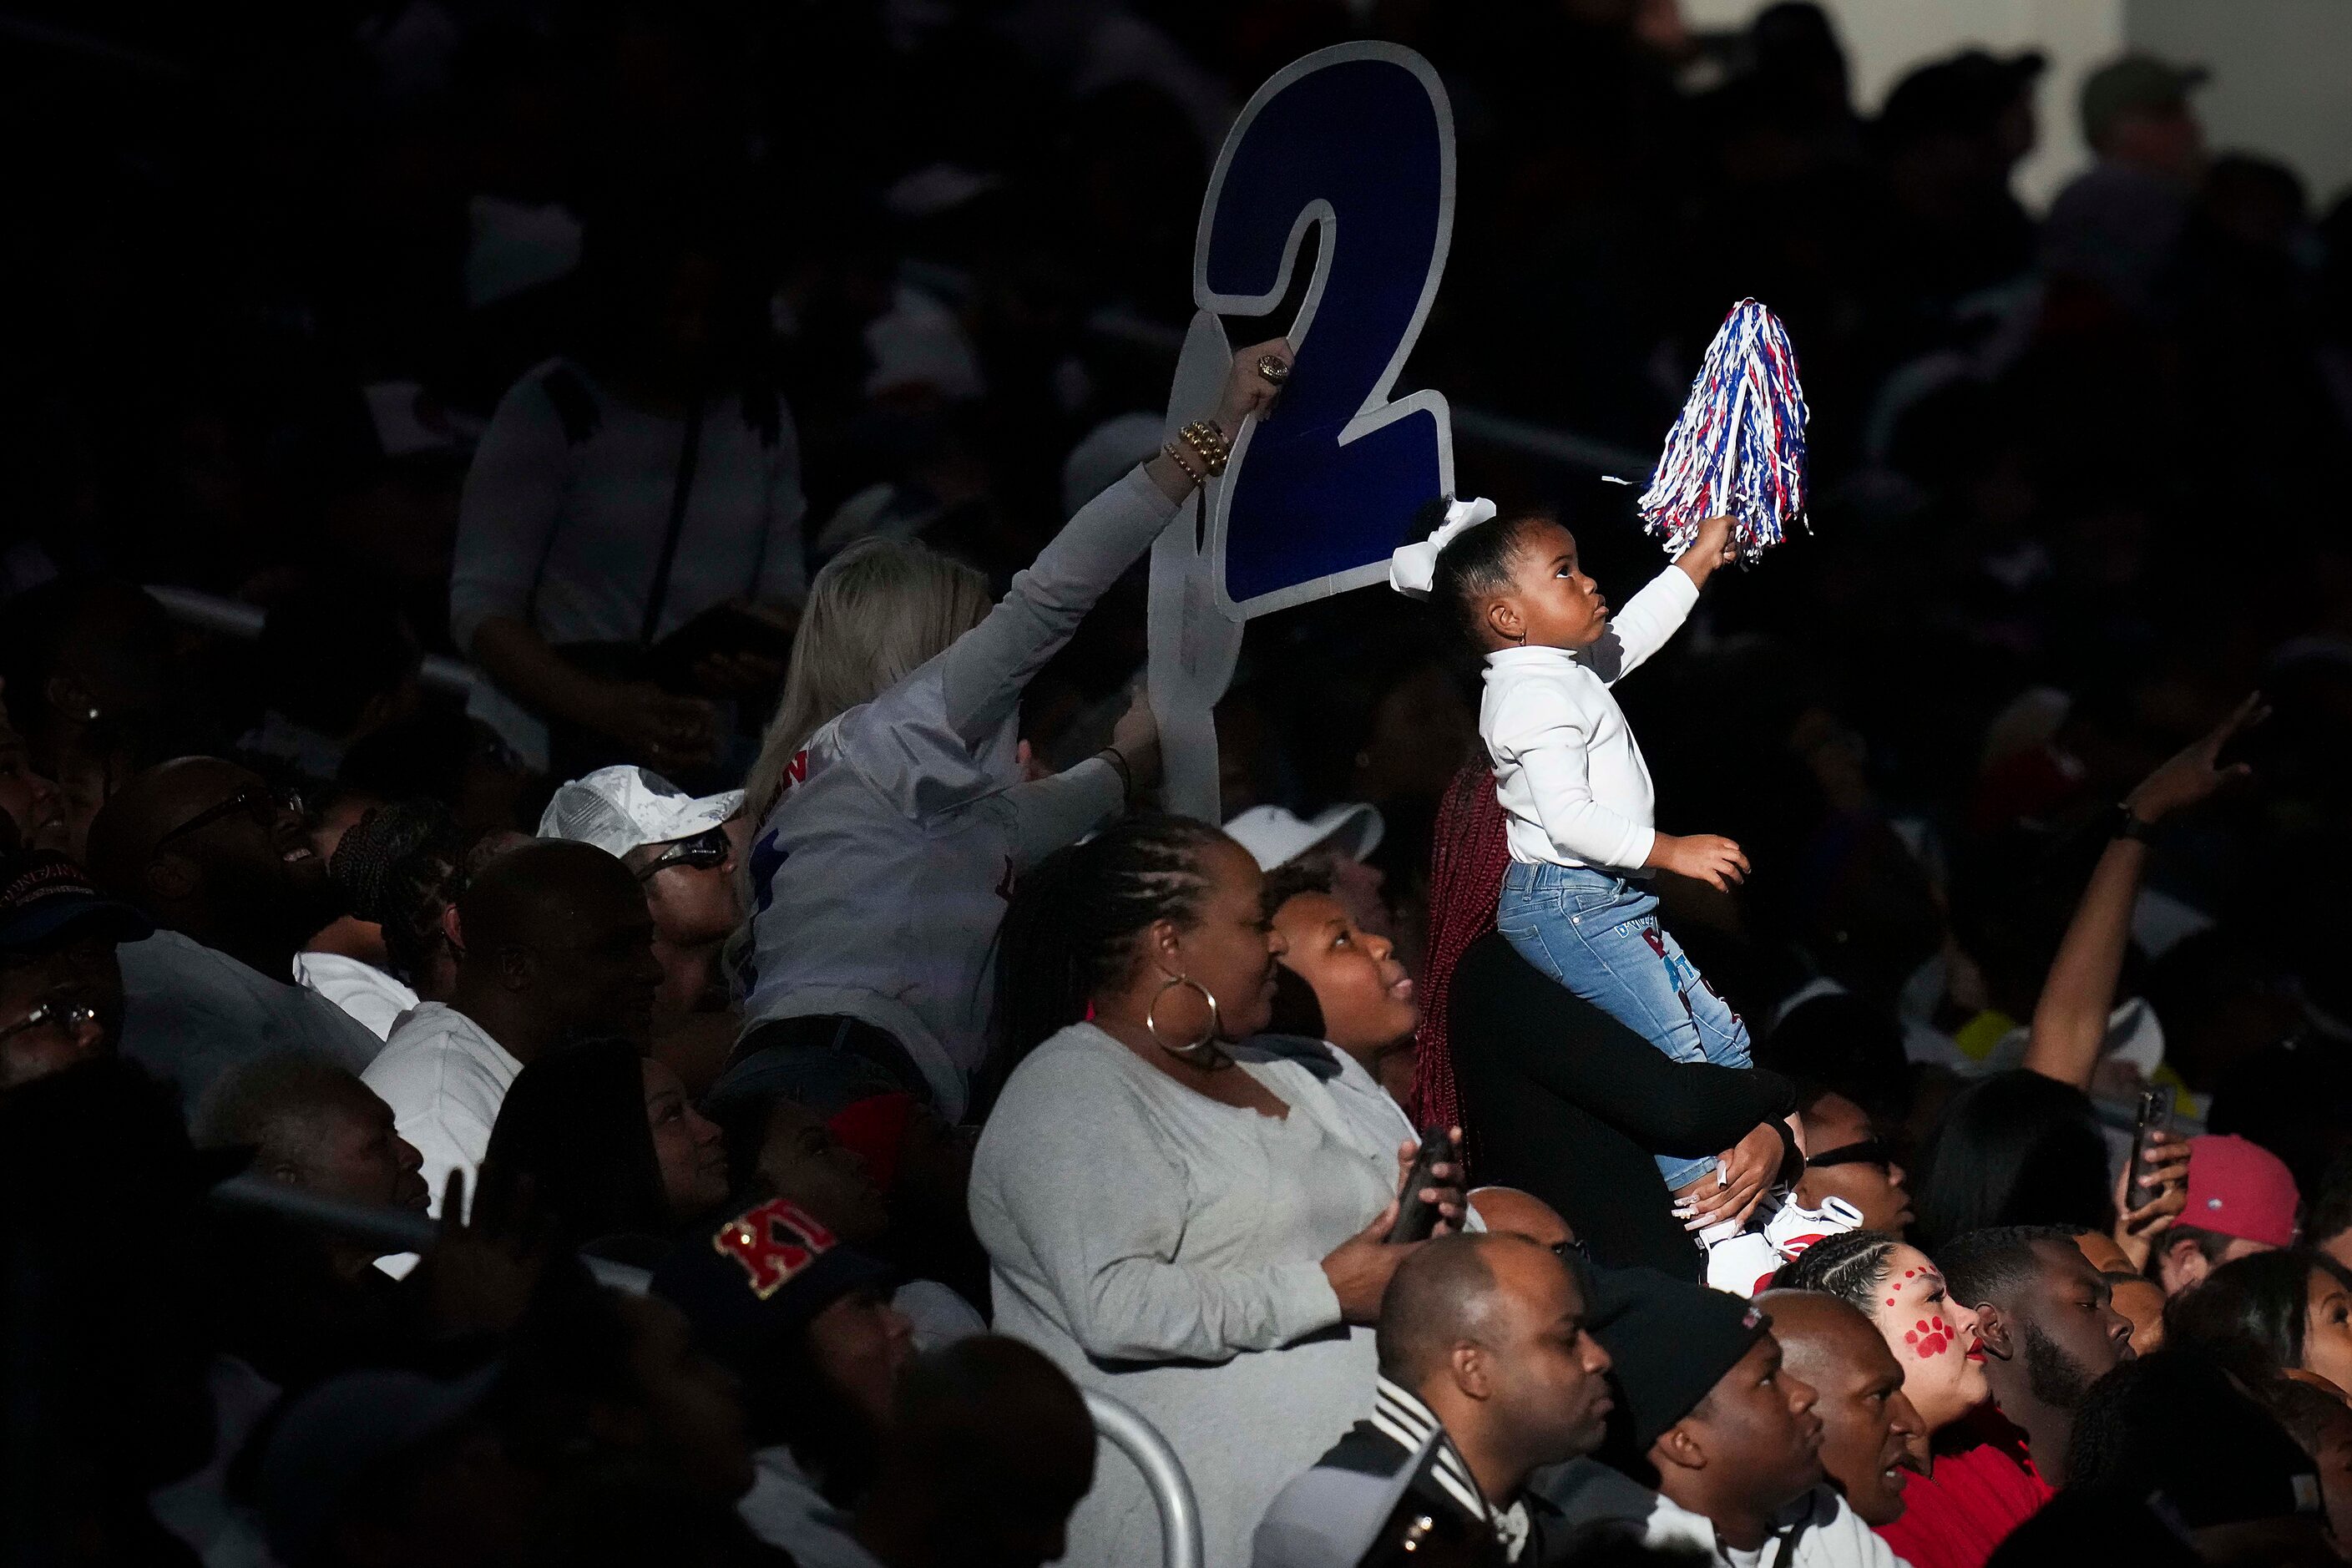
x=1739, y=446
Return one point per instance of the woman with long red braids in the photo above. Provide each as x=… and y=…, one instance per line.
x=1467, y=858
x=1554, y=1096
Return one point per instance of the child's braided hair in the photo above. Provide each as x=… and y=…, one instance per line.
x=1477, y=563
x=1075, y=916
x=398, y=867
x=1850, y=1266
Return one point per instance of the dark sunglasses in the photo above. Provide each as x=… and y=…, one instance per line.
x=258, y=802
x=1869, y=1151
x=705, y=851
x=66, y=1016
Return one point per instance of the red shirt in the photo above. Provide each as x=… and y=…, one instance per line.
x=1984, y=1487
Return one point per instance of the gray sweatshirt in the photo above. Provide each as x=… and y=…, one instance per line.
x=1167, y=1249
x=880, y=875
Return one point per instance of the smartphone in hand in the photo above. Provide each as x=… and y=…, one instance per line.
x=2154, y=1116
x=1416, y=1216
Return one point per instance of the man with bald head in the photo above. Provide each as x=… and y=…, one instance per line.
x=556, y=946
x=1867, y=1425
x=1510, y=1212
x=1486, y=1375
x=223, y=866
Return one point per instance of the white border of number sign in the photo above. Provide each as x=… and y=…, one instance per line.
x=1377, y=412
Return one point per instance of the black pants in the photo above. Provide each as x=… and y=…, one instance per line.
x=843, y=1047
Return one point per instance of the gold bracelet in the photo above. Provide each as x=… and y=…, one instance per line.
x=1209, y=444
x=1175, y=455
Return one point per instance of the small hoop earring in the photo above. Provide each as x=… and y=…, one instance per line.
x=1200, y=1049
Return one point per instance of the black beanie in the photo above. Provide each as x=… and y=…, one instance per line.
x=1671, y=1342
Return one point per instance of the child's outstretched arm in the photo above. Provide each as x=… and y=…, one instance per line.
x=1653, y=616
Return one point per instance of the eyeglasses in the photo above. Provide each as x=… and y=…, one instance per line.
x=262, y=804
x=77, y=1017
x=1869, y=1151
x=705, y=851
x=1575, y=1246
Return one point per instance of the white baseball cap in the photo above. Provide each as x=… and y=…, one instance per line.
x=617, y=809
x=1275, y=837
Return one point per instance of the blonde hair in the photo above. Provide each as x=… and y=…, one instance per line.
x=879, y=611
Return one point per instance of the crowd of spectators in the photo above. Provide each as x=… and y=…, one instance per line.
x=729, y=1075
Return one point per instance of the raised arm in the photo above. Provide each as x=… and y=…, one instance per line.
x=2070, y=1021
x=1646, y=624
x=983, y=673
x=1652, y=616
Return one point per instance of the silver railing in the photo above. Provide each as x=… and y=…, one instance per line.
x=404, y=1230
x=1163, y=1473
x=395, y=1230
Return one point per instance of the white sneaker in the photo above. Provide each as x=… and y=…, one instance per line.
x=1744, y=1261
x=1794, y=1227
x=1741, y=1262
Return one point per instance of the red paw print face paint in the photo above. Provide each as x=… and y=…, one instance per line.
x=1929, y=1337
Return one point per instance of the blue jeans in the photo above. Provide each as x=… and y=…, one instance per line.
x=1598, y=934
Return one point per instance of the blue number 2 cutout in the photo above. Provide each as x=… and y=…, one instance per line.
x=1358, y=139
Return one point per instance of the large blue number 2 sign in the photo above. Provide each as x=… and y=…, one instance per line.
x=1358, y=139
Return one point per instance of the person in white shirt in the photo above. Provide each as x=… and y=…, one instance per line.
x=1577, y=902
x=397, y=867
x=682, y=850
x=620, y=494
x=893, y=814
x=558, y=947
x=1725, y=1435
x=225, y=868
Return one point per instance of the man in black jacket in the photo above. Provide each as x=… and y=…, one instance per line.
x=1487, y=1374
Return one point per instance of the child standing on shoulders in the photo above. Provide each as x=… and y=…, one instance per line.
x=1577, y=901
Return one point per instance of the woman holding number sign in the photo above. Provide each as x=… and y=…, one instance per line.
x=892, y=814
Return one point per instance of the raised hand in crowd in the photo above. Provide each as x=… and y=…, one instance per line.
x=2164, y=1167
x=2196, y=772
x=2069, y=1019
x=479, y=1277
x=1710, y=549
x=1251, y=387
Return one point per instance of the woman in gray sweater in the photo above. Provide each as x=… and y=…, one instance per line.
x=1196, y=1231
x=891, y=811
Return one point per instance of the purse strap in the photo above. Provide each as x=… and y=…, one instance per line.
x=680, y=492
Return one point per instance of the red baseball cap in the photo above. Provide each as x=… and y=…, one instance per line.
x=2241, y=1189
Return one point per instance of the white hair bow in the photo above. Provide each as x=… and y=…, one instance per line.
x=1413, y=567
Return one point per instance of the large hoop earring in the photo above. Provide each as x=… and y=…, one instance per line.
x=1200, y=1050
